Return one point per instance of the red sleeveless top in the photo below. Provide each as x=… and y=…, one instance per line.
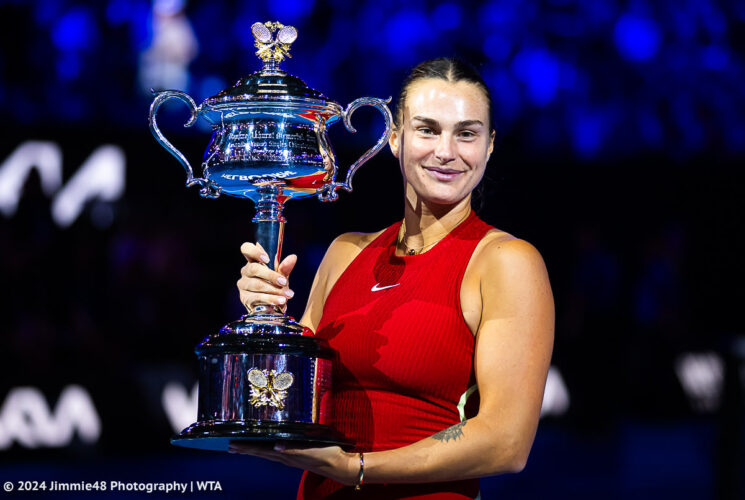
x=404, y=355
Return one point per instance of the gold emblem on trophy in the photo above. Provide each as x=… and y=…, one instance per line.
x=273, y=48
x=269, y=388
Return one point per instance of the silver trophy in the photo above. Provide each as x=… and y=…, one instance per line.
x=265, y=377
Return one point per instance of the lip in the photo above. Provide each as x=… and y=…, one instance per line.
x=443, y=174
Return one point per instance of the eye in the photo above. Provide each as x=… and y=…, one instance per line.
x=467, y=134
x=425, y=130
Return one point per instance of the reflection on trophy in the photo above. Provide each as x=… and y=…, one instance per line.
x=264, y=376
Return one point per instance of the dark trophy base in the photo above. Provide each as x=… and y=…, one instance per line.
x=218, y=436
x=263, y=378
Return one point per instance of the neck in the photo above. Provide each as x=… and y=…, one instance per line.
x=426, y=223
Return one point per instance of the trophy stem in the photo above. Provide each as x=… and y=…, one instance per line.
x=270, y=223
x=270, y=230
x=271, y=66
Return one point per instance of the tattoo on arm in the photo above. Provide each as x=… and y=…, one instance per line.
x=455, y=432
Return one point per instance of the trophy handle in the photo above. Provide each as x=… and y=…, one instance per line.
x=328, y=192
x=208, y=188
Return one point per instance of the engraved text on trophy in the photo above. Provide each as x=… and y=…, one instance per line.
x=264, y=141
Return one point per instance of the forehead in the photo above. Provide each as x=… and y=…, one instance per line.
x=446, y=101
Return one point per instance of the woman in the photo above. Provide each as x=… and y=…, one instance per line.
x=422, y=314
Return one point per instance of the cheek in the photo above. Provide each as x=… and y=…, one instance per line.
x=417, y=148
x=412, y=155
x=475, y=157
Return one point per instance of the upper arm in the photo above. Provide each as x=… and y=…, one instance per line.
x=339, y=255
x=514, y=340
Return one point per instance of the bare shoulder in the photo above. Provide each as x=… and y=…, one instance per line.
x=502, y=253
x=350, y=241
x=347, y=246
x=342, y=251
x=507, y=281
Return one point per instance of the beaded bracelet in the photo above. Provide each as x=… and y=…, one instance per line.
x=361, y=476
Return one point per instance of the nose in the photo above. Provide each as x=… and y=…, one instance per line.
x=445, y=149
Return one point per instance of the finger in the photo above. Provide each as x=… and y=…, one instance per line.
x=258, y=285
x=252, y=299
x=295, y=445
x=254, y=252
x=257, y=270
x=287, y=265
x=249, y=446
x=257, y=452
x=297, y=450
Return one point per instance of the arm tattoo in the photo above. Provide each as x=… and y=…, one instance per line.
x=455, y=432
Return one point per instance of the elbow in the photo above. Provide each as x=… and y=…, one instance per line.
x=509, y=449
x=516, y=463
x=513, y=459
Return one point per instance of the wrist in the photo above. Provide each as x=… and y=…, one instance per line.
x=351, y=469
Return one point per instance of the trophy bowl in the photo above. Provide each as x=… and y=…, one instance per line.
x=265, y=377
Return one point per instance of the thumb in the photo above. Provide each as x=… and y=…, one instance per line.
x=287, y=265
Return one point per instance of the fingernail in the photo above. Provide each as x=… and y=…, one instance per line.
x=282, y=280
x=281, y=300
x=289, y=293
x=279, y=447
x=265, y=258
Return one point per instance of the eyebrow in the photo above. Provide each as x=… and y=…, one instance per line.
x=461, y=124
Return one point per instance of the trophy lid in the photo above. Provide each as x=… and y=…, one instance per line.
x=270, y=83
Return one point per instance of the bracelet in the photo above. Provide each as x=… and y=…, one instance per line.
x=361, y=476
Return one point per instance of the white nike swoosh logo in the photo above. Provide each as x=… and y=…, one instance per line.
x=377, y=288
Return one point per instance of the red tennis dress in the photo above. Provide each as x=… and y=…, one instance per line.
x=404, y=361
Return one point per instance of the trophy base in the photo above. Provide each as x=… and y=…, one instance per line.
x=217, y=436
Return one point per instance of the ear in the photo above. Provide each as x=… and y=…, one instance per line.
x=491, y=143
x=395, y=142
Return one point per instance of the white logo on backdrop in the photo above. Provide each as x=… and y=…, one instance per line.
x=25, y=418
x=702, y=376
x=100, y=177
x=179, y=405
x=555, y=396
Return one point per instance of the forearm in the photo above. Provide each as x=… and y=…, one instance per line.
x=468, y=450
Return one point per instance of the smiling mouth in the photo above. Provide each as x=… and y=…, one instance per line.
x=443, y=174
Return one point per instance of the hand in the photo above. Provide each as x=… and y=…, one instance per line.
x=329, y=461
x=259, y=284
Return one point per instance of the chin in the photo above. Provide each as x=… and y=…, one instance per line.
x=443, y=198
x=440, y=193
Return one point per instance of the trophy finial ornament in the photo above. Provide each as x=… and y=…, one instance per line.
x=272, y=47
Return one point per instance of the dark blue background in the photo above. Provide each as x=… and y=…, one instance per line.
x=621, y=131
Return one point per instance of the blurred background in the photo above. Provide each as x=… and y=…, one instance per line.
x=621, y=141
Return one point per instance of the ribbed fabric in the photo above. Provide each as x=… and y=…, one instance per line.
x=404, y=354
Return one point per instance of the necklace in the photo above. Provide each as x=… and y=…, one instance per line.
x=416, y=250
